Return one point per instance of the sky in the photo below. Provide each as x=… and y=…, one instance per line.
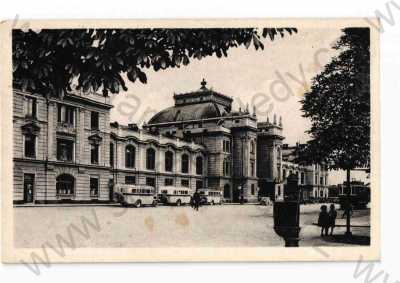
x=273, y=80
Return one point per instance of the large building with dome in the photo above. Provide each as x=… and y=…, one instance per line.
x=67, y=150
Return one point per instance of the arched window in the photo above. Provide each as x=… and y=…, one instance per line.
x=65, y=184
x=130, y=153
x=199, y=165
x=185, y=163
x=150, y=159
x=169, y=161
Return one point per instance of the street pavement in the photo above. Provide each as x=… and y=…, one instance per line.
x=167, y=226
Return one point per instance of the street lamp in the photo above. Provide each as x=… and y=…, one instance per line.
x=287, y=213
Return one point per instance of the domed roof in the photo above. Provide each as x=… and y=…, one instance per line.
x=189, y=112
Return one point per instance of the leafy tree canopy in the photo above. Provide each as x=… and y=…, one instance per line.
x=338, y=105
x=99, y=59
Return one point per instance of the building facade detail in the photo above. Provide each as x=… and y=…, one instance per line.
x=66, y=149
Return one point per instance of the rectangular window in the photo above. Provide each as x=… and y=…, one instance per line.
x=30, y=146
x=185, y=183
x=30, y=107
x=169, y=182
x=227, y=146
x=150, y=182
x=227, y=167
x=111, y=154
x=253, y=190
x=65, y=150
x=94, y=187
x=65, y=114
x=321, y=180
x=94, y=120
x=130, y=180
x=252, y=168
x=94, y=154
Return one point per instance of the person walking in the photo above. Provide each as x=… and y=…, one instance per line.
x=332, y=217
x=323, y=220
x=196, y=198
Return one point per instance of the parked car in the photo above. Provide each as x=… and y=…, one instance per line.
x=266, y=201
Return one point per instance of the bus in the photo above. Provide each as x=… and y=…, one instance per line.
x=135, y=195
x=210, y=196
x=175, y=195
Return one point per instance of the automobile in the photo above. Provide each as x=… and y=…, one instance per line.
x=265, y=201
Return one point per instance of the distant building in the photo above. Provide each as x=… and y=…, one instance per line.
x=66, y=150
x=313, y=179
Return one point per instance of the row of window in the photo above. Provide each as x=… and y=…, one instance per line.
x=65, y=185
x=131, y=180
x=318, y=180
x=65, y=113
x=227, y=168
x=65, y=149
x=226, y=146
x=66, y=116
x=130, y=160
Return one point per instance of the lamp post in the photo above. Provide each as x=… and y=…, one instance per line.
x=287, y=213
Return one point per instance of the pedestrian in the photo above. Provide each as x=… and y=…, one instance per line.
x=323, y=220
x=196, y=198
x=332, y=217
x=192, y=202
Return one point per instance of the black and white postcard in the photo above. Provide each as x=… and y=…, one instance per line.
x=190, y=140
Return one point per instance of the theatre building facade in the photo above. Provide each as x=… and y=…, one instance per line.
x=66, y=149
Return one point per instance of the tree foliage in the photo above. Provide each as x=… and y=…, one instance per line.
x=338, y=105
x=103, y=59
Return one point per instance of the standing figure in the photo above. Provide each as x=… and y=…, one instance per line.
x=332, y=217
x=323, y=220
x=196, y=198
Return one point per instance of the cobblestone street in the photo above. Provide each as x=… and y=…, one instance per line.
x=211, y=226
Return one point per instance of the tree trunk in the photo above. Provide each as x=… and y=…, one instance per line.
x=348, y=204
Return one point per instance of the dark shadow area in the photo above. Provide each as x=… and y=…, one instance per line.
x=353, y=240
